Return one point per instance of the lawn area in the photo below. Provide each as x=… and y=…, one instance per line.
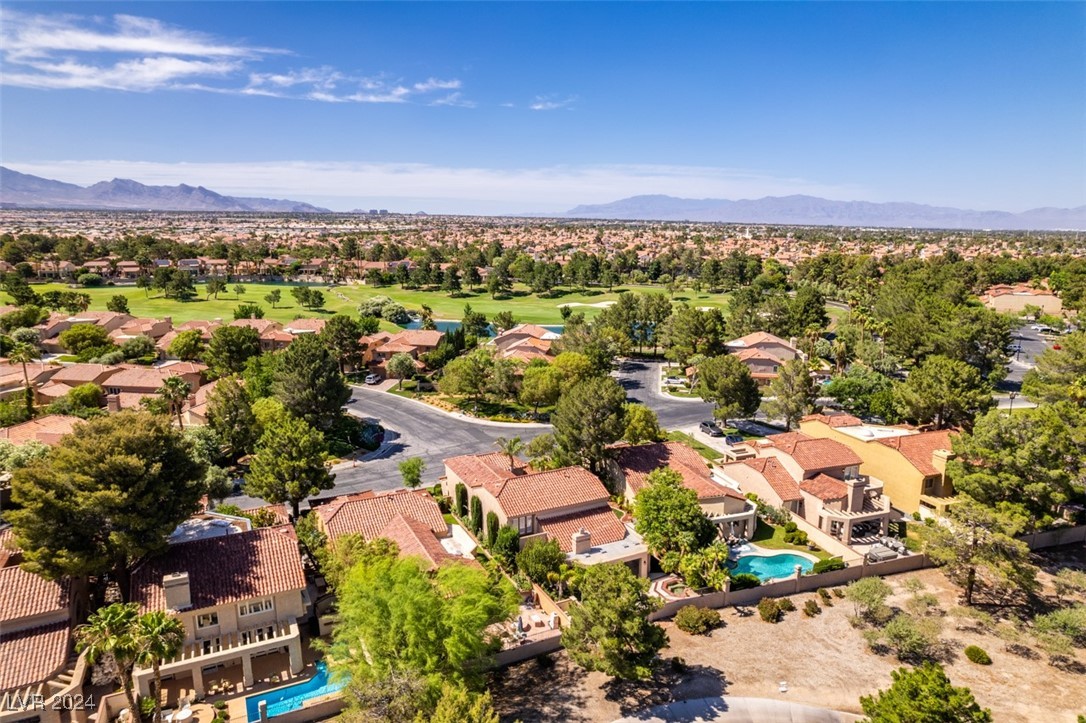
x=772, y=538
x=526, y=307
x=704, y=450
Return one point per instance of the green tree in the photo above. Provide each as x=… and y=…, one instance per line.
x=540, y=386
x=411, y=470
x=239, y=290
x=109, y=494
x=944, y=392
x=864, y=392
x=573, y=367
x=118, y=303
x=539, y=559
x=1057, y=370
x=81, y=337
x=157, y=636
x=610, y=630
x=504, y=320
x=451, y=281
x=510, y=447
x=289, y=464
x=459, y=705
x=923, y=695
x=187, y=345
x=791, y=395
x=468, y=375
x=691, y=331
x=214, y=287
x=309, y=383
x=230, y=415
x=108, y=633
x=249, y=310
x=868, y=596
x=23, y=354
x=668, y=517
x=139, y=347
x=401, y=366
x=473, y=322
x=641, y=424
x=341, y=335
x=273, y=297
x=175, y=392
x=726, y=381
x=230, y=347
x=977, y=546
x=589, y=417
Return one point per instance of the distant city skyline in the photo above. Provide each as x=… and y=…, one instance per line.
x=521, y=108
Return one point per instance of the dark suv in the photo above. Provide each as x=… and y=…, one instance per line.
x=712, y=429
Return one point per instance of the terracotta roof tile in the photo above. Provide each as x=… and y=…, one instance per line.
x=33, y=655
x=416, y=539
x=47, y=430
x=368, y=513
x=919, y=448
x=478, y=469
x=825, y=488
x=226, y=569
x=76, y=374
x=24, y=595
x=811, y=453
x=541, y=492
x=776, y=476
x=834, y=420
x=637, y=462
x=600, y=522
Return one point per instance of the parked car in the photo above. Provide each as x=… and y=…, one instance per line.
x=674, y=381
x=711, y=428
x=373, y=379
x=733, y=439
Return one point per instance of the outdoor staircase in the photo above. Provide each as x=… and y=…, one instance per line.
x=62, y=680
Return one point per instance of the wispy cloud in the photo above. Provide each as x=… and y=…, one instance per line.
x=447, y=189
x=551, y=102
x=136, y=54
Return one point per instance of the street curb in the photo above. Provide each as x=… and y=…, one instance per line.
x=461, y=416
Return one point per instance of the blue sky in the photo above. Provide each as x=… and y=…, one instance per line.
x=493, y=107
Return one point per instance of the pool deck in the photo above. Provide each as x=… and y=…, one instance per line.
x=756, y=551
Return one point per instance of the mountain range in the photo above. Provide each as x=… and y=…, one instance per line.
x=21, y=190
x=813, y=211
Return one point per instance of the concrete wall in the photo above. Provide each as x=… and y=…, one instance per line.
x=528, y=651
x=1054, y=538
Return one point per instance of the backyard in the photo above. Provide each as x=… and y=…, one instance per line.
x=823, y=660
x=771, y=537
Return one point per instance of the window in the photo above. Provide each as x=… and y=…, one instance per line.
x=929, y=482
x=524, y=525
x=257, y=606
x=207, y=620
x=852, y=472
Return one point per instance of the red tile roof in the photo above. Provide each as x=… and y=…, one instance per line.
x=825, y=488
x=478, y=469
x=776, y=476
x=368, y=513
x=834, y=420
x=76, y=374
x=33, y=655
x=418, y=337
x=541, y=492
x=811, y=453
x=638, y=461
x=226, y=569
x=25, y=595
x=416, y=539
x=47, y=430
x=600, y=522
x=918, y=448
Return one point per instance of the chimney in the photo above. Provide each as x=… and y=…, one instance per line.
x=582, y=541
x=113, y=403
x=175, y=585
x=856, y=487
x=939, y=459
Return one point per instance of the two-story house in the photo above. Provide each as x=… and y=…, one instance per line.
x=239, y=592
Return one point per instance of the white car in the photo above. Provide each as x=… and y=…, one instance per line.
x=674, y=381
x=373, y=379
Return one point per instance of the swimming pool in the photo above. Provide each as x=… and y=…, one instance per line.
x=292, y=697
x=771, y=566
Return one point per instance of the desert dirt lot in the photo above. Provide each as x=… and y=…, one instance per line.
x=824, y=661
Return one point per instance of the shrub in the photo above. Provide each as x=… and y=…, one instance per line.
x=790, y=527
x=912, y=639
x=977, y=655
x=834, y=563
x=539, y=558
x=839, y=593
x=769, y=610
x=476, y=515
x=811, y=608
x=868, y=597
x=695, y=620
x=786, y=605
x=220, y=705
x=507, y=545
x=492, y=525
x=461, y=499
x=796, y=537
x=745, y=581
x=825, y=595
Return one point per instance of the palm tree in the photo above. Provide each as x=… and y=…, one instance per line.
x=108, y=632
x=175, y=391
x=158, y=636
x=510, y=448
x=23, y=353
x=562, y=577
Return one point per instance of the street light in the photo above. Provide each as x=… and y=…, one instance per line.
x=1012, y=395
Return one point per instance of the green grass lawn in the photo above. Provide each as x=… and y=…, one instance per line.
x=772, y=538
x=704, y=450
x=526, y=307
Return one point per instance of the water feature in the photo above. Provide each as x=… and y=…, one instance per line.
x=771, y=566
x=292, y=697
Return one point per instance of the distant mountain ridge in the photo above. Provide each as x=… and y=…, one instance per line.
x=21, y=190
x=812, y=211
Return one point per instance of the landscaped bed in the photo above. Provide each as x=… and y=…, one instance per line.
x=772, y=537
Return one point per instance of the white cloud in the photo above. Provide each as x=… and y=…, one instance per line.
x=136, y=54
x=454, y=99
x=550, y=102
x=448, y=189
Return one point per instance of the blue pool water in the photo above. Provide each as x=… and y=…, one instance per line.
x=770, y=567
x=292, y=697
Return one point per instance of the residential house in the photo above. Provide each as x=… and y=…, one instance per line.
x=834, y=496
x=381, y=347
x=206, y=329
x=37, y=657
x=133, y=383
x=767, y=343
x=240, y=594
x=102, y=267
x=911, y=464
x=526, y=342
x=569, y=505
x=299, y=327
x=1013, y=299
x=410, y=518
x=56, y=324
x=48, y=429
x=730, y=511
x=153, y=328
x=13, y=383
x=128, y=270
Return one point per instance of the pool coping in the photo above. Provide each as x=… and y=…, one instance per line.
x=758, y=551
